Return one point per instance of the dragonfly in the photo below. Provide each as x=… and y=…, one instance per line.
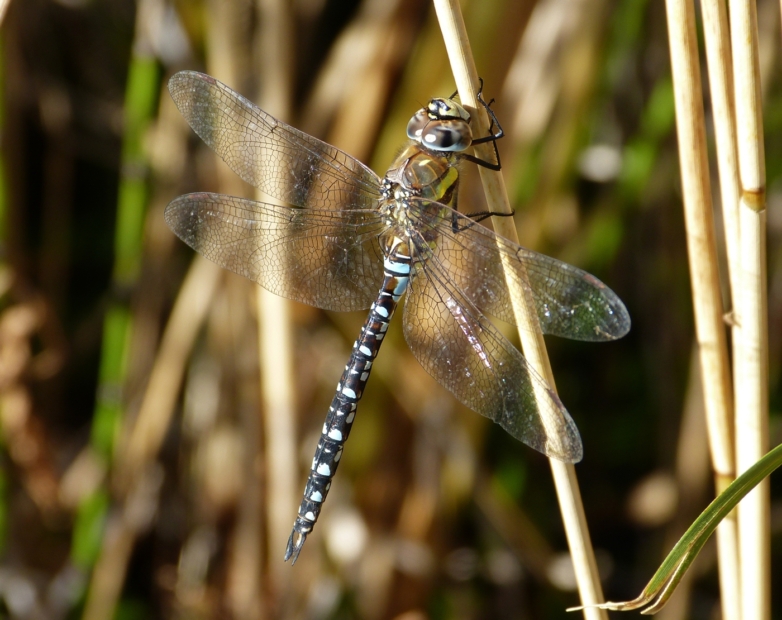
x=346, y=239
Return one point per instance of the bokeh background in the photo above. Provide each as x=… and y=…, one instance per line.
x=152, y=460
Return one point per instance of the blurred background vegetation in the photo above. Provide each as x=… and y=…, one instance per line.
x=435, y=512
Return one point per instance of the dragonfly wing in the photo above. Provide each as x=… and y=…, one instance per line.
x=327, y=259
x=569, y=301
x=278, y=159
x=464, y=352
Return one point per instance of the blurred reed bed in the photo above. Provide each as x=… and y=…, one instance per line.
x=153, y=462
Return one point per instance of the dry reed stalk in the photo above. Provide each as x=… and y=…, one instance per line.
x=702, y=251
x=718, y=57
x=159, y=402
x=136, y=476
x=355, y=58
x=227, y=59
x=716, y=34
x=534, y=79
x=568, y=493
x=370, y=52
x=560, y=52
x=751, y=346
x=3, y=9
x=701, y=244
x=245, y=565
x=274, y=62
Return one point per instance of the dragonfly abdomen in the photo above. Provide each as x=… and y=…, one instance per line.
x=350, y=389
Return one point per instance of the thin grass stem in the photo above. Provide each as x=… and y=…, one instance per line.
x=751, y=346
x=227, y=58
x=568, y=493
x=719, y=60
x=159, y=402
x=702, y=250
x=275, y=325
x=701, y=244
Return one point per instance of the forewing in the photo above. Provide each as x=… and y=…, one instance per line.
x=330, y=260
x=464, y=352
x=278, y=159
x=569, y=301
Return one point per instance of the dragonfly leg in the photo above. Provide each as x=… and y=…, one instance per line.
x=477, y=217
x=492, y=137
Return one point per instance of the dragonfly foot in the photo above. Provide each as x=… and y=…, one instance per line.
x=294, y=546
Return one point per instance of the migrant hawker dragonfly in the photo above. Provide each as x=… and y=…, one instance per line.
x=352, y=240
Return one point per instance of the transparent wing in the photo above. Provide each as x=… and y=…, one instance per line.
x=464, y=352
x=278, y=159
x=569, y=302
x=330, y=260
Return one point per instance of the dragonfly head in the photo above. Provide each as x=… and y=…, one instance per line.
x=443, y=125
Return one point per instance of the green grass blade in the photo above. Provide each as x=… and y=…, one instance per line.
x=664, y=582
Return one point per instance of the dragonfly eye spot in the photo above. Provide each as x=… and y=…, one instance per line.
x=417, y=124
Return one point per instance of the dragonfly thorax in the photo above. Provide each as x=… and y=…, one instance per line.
x=443, y=125
x=422, y=173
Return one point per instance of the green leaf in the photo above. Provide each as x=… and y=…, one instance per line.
x=670, y=573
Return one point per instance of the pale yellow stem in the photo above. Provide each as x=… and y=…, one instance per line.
x=275, y=324
x=751, y=346
x=718, y=55
x=466, y=76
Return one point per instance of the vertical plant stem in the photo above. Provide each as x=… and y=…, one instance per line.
x=716, y=34
x=701, y=243
x=568, y=493
x=3, y=9
x=275, y=324
x=159, y=402
x=228, y=59
x=751, y=365
x=718, y=56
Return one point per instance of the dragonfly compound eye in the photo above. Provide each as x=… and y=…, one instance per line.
x=451, y=135
x=443, y=125
x=440, y=133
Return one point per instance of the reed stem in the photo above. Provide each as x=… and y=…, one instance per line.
x=751, y=346
x=275, y=324
x=719, y=59
x=702, y=248
x=568, y=493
